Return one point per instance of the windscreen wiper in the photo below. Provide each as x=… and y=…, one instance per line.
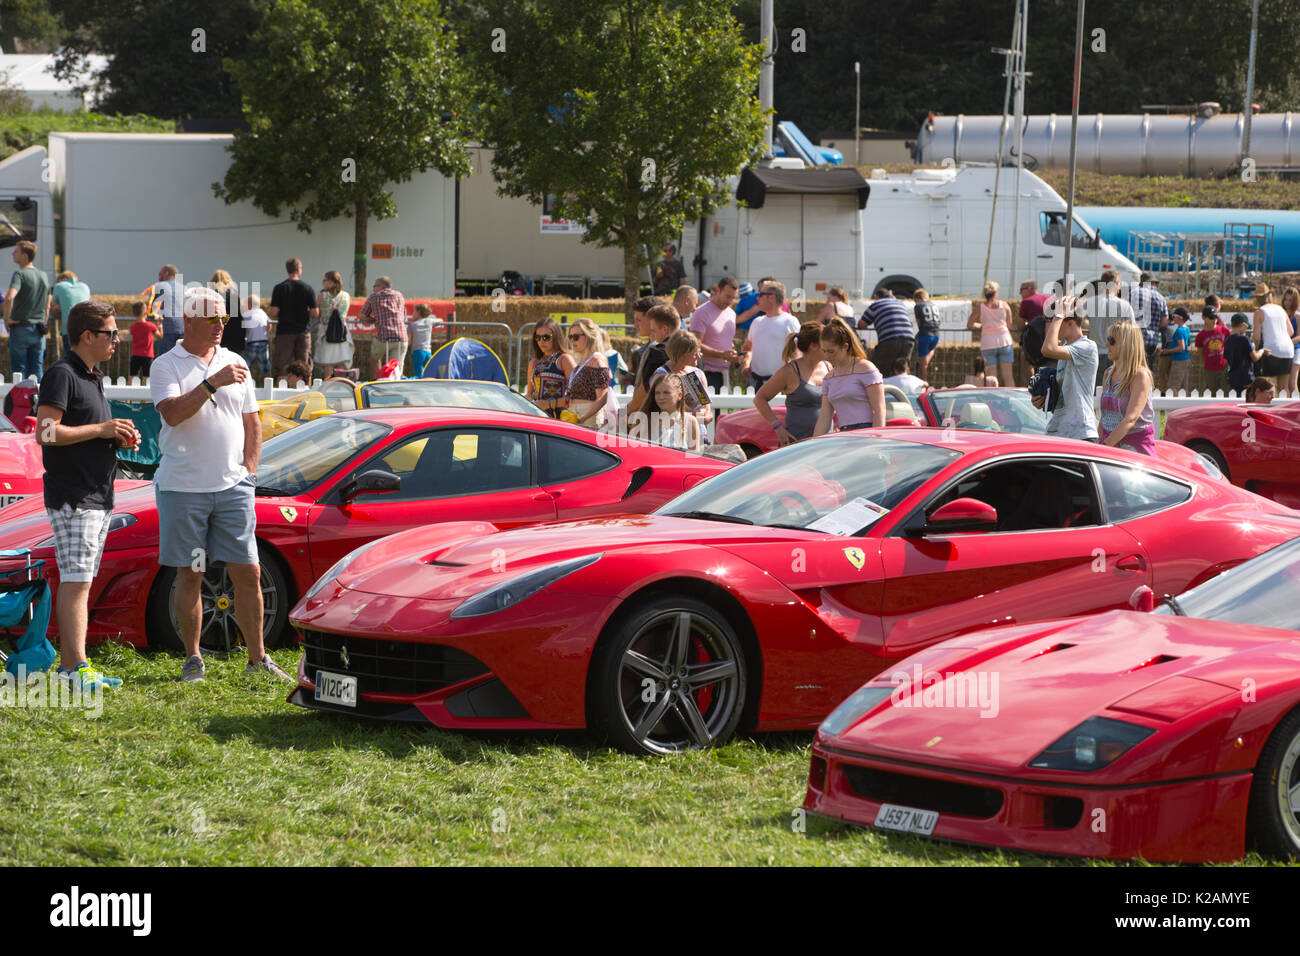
x=708, y=516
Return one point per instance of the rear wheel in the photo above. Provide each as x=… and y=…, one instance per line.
x=1212, y=453
x=1275, y=792
x=218, y=627
x=671, y=678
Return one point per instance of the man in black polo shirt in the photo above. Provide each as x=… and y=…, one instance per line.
x=79, y=440
x=293, y=306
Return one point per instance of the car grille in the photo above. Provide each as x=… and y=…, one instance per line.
x=7, y=500
x=389, y=667
x=942, y=796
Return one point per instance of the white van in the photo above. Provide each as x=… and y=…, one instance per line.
x=926, y=229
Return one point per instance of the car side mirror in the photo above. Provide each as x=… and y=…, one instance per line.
x=1142, y=600
x=961, y=515
x=320, y=413
x=374, y=480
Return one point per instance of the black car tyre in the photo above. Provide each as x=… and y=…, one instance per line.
x=219, y=630
x=1274, y=818
x=671, y=678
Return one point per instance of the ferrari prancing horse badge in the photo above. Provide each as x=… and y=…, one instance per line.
x=856, y=557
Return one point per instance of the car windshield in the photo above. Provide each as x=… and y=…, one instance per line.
x=989, y=410
x=455, y=393
x=297, y=459
x=838, y=485
x=1262, y=591
x=6, y=425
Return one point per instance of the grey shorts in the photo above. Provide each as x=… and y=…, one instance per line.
x=79, y=535
x=197, y=528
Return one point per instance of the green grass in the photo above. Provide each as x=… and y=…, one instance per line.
x=227, y=773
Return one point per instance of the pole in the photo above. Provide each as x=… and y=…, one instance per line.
x=1021, y=44
x=765, y=75
x=1002, y=136
x=857, y=114
x=1250, y=82
x=1074, y=141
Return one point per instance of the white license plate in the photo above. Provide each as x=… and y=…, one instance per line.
x=7, y=500
x=336, y=689
x=907, y=819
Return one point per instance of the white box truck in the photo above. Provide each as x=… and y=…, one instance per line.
x=131, y=202
x=926, y=229
x=27, y=206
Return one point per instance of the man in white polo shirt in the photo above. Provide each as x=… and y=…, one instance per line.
x=211, y=441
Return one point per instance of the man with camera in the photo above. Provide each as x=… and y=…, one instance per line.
x=27, y=310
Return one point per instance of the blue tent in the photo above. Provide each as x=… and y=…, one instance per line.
x=467, y=359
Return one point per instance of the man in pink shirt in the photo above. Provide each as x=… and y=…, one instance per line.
x=715, y=324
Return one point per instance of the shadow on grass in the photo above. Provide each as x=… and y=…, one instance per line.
x=314, y=732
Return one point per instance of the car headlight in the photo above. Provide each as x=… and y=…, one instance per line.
x=861, y=701
x=116, y=523
x=511, y=592
x=1097, y=742
x=338, y=567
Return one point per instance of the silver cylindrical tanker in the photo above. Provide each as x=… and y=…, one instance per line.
x=1145, y=144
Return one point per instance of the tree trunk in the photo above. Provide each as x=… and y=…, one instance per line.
x=631, y=270
x=362, y=214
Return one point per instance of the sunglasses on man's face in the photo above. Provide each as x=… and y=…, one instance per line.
x=113, y=334
x=216, y=319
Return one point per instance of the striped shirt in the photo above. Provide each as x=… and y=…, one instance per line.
x=890, y=319
x=1150, y=309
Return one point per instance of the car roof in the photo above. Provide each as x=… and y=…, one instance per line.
x=971, y=440
x=402, y=381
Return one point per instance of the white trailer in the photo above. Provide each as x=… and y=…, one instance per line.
x=132, y=202
x=927, y=229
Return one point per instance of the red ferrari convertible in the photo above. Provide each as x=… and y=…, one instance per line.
x=764, y=596
x=1172, y=736
x=344, y=480
x=1256, y=446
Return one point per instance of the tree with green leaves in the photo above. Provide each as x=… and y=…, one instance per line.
x=630, y=113
x=350, y=97
x=27, y=26
x=165, y=56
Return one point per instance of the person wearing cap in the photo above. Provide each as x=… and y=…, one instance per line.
x=211, y=441
x=1180, y=352
x=1151, y=312
x=1239, y=354
x=1272, y=331
x=1209, y=342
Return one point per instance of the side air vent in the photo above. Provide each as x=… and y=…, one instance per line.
x=1051, y=650
x=639, y=478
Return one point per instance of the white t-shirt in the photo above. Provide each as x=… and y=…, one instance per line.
x=1103, y=311
x=768, y=334
x=1276, y=331
x=908, y=383
x=255, y=321
x=204, y=453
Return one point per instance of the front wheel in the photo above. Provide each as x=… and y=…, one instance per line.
x=672, y=678
x=218, y=626
x=1275, y=792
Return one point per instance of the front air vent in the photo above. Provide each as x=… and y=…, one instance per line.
x=1051, y=650
x=1152, y=662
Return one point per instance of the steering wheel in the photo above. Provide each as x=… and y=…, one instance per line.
x=806, y=514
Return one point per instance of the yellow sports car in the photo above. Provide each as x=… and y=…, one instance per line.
x=335, y=395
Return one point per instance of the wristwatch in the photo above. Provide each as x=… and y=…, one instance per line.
x=211, y=389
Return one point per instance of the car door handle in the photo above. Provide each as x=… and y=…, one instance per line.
x=544, y=496
x=1132, y=562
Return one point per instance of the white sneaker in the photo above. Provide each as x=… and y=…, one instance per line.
x=266, y=665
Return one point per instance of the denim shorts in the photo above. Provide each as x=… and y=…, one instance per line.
x=213, y=526
x=1001, y=356
x=925, y=344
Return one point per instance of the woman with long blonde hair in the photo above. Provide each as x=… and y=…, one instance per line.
x=992, y=319
x=588, y=385
x=1127, y=418
x=232, y=336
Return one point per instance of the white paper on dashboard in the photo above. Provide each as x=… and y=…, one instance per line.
x=849, y=518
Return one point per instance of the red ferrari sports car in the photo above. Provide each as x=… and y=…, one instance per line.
x=761, y=598
x=1255, y=446
x=21, y=465
x=750, y=430
x=344, y=480
x=1172, y=736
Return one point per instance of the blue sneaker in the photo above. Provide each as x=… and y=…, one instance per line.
x=87, y=678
